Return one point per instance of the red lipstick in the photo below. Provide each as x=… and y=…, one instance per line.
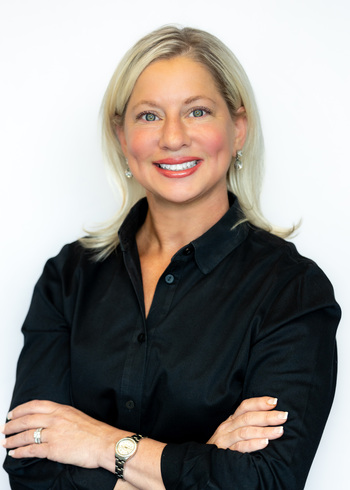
x=176, y=160
x=178, y=167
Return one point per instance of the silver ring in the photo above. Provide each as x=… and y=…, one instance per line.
x=37, y=436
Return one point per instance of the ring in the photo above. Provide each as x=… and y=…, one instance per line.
x=37, y=436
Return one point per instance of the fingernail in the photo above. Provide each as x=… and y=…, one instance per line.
x=272, y=401
x=2, y=428
x=283, y=415
x=11, y=453
x=278, y=430
x=9, y=416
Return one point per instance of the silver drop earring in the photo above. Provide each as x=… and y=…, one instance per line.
x=238, y=163
x=127, y=171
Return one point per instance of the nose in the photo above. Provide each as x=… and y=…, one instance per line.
x=174, y=134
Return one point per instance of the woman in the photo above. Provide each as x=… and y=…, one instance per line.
x=186, y=319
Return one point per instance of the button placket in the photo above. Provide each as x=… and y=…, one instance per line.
x=130, y=404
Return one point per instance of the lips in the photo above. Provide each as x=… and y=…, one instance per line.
x=178, y=167
x=177, y=164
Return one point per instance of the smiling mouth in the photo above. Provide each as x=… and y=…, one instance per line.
x=178, y=166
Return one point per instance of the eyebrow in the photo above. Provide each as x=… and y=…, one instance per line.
x=187, y=101
x=190, y=100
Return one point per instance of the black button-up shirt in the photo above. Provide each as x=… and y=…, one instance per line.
x=237, y=313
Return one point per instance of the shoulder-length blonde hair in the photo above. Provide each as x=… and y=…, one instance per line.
x=232, y=82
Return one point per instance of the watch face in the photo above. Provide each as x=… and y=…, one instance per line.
x=126, y=447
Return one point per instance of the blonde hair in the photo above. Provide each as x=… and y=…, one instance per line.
x=232, y=82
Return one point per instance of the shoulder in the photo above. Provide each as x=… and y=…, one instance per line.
x=74, y=264
x=269, y=246
x=286, y=269
x=71, y=257
x=292, y=288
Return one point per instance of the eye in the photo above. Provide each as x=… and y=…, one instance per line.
x=147, y=116
x=200, y=112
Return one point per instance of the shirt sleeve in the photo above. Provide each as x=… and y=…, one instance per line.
x=293, y=357
x=43, y=372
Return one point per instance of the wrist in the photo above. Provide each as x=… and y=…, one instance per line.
x=107, y=449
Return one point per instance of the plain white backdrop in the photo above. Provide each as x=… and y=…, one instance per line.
x=56, y=60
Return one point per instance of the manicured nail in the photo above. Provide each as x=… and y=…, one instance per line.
x=278, y=430
x=272, y=401
x=283, y=415
x=9, y=416
x=11, y=453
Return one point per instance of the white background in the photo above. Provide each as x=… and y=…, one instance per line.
x=56, y=60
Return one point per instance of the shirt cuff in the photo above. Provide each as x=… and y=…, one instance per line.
x=179, y=463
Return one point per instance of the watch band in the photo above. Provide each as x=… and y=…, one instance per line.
x=121, y=460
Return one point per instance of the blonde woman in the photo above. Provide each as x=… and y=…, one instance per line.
x=185, y=344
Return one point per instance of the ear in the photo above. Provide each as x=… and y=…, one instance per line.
x=120, y=133
x=240, y=124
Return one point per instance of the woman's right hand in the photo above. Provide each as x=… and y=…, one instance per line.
x=251, y=427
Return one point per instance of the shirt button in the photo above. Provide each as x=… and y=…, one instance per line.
x=141, y=338
x=187, y=251
x=169, y=278
x=130, y=404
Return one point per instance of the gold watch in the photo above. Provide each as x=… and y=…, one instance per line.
x=125, y=449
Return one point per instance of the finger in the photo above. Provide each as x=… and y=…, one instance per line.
x=228, y=439
x=25, y=438
x=256, y=404
x=260, y=419
x=25, y=423
x=32, y=407
x=250, y=446
x=31, y=451
x=251, y=433
x=227, y=431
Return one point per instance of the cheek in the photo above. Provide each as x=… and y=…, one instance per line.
x=217, y=141
x=139, y=143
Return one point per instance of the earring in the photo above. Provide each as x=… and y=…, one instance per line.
x=238, y=163
x=127, y=171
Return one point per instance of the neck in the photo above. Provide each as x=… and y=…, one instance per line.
x=170, y=226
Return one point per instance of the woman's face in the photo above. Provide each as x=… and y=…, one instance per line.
x=178, y=134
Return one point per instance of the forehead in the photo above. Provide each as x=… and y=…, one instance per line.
x=175, y=76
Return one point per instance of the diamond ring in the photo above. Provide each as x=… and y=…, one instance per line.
x=37, y=436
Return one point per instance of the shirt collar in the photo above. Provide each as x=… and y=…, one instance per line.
x=210, y=248
x=132, y=224
x=221, y=239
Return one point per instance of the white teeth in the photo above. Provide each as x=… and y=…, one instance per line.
x=179, y=166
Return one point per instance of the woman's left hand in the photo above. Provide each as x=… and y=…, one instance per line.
x=68, y=436
x=251, y=427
